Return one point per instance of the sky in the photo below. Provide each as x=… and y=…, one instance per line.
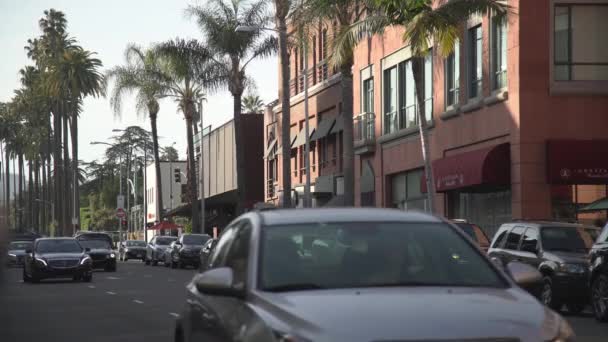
x=106, y=27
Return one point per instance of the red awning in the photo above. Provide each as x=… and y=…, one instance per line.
x=489, y=166
x=577, y=161
x=165, y=225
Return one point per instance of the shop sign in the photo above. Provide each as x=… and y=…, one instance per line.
x=451, y=181
x=567, y=174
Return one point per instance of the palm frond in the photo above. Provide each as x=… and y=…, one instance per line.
x=348, y=38
x=263, y=49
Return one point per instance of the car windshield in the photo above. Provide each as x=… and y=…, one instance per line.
x=164, y=241
x=475, y=233
x=566, y=239
x=370, y=254
x=195, y=239
x=17, y=245
x=95, y=244
x=136, y=244
x=58, y=246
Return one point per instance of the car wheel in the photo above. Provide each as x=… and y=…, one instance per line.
x=147, y=261
x=26, y=278
x=34, y=279
x=155, y=262
x=87, y=278
x=575, y=308
x=125, y=258
x=181, y=265
x=548, y=296
x=167, y=262
x=599, y=297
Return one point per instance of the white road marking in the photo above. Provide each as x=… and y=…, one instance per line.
x=20, y=281
x=112, y=278
x=137, y=301
x=147, y=276
x=91, y=286
x=171, y=280
x=174, y=314
x=111, y=293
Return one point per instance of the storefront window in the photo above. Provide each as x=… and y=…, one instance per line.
x=488, y=209
x=569, y=203
x=406, y=191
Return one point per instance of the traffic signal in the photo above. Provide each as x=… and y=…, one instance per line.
x=178, y=175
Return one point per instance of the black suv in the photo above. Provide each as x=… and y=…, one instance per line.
x=598, y=258
x=155, y=251
x=559, y=251
x=101, y=253
x=203, y=263
x=186, y=250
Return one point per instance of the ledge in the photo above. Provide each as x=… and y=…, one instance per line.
x=472, y=105
x=578, y=88
x=497, y=96
x=451, y=112
x=406, y=132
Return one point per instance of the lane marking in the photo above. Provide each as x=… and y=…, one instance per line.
x=111, y=293
x=174, y=314
x=147, y=276
x=91, y=286
x=112, y=278
x=137, y=301
x=171, y=280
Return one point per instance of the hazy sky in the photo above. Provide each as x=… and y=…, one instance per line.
x=106, y=27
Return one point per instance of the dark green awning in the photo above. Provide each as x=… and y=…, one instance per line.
x=601, y=204
x=339, y=126
x=323, y=129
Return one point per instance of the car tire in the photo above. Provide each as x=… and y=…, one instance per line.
x=34, y=279
x=147, y=261
x=167, y=263
x=87, y=278
x=599, y=292
x=181, y=265
x=26, y=278
x=575, y=308
x=125, y=259
x=154, y=262
x=143, y=260
x=548, y=296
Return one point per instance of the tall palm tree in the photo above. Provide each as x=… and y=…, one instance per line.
x=142, y=74
x=231, y=53
x=423, y=23
x=253, y=104
x=182, y=61
x=77, y=74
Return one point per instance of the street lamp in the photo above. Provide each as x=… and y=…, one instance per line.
x=251, y=29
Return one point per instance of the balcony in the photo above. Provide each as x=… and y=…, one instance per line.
x=365, y=134
x=271, y=188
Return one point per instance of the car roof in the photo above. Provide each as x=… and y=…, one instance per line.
x=541, y=224
x=56, y=238
x=297, y=216
x=189, y=234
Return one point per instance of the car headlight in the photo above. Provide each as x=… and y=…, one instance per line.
x=571, y=268
x=112, y=255
x=42, y=261
x=85, y=260
x=556, y=329
x=565, y=333
x=12, y=255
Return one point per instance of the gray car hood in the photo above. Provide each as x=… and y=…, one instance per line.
x=567, y=257
x=433, y=313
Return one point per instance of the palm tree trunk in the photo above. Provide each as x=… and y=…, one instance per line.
x=76, y=190
x=43, y=206
x=196, y=224
x=347, y=137
x=159, y=187
x=30, y=195
x=66, y=188
x=20, y=195
x=280, y=19
x=241, y=184
x=7, y=178
x=418, y=71
x=57, y=166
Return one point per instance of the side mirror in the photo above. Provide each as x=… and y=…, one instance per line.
x=87, y=250
x=526, y=276
x=217, y=281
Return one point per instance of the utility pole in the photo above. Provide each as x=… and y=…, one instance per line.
x=145, y=191
x=307, y=199
x=202, y=172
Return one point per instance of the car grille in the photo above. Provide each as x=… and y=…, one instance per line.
x=63, y=263
x=98, y=257
x=20, y=259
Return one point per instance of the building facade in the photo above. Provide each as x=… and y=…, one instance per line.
x=325, y=132
x=518, y=116
x=173, y=180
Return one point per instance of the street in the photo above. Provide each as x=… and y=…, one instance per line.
x=137, y=303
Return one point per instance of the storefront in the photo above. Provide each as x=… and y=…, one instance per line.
x=476, y=185
x=577, y=171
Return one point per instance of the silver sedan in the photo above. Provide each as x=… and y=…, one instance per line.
x=360, y=275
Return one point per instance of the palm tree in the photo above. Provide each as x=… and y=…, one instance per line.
x=252, y=104
x=182, y=61
x=230, y=53
x=141, y=74
x=423, y=23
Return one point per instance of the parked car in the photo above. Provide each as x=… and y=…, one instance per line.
x=132, y=249
x=359, y=275
x=475, y=233
x=598, y=258
x=558, y=250
x=101, y=252
x=57, y=258
x=156, y=249
x=208, y=247
x=186, y=250
x=16, y=252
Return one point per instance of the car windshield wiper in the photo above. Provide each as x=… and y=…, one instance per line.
x=294, y=287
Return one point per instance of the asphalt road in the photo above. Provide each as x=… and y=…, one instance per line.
x=136, y=303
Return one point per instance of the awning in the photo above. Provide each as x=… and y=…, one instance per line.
x=339, y=126
x=301, y=138
x=577, y=161
x=165, y=225
x=599, y=205
x=488, y=167
x=323, y=129
x=270, y=149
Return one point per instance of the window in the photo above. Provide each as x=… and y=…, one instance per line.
x=390, y=100
x=219, y=253
x=513, y=238
x=238, y=255
x=500, y=238
x=530, y=241
x=452, y=78
x=580, y=49
x=368, y=95
x=406, y=191
x=475, y=65
x=499, y=52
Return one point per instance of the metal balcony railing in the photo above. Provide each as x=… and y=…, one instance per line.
x=322, y=71
x=365, y=125
x=271, y=188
